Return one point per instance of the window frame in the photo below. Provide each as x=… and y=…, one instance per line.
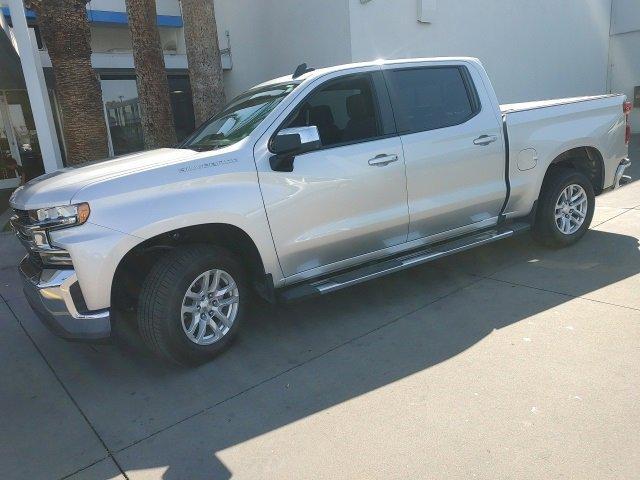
x=467, y=81
x=382, y=106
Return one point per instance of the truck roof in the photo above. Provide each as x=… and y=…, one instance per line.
x=347, y=66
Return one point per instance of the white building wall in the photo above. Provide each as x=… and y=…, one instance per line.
x=625, y=52
x=531, y=49
x=270, y=38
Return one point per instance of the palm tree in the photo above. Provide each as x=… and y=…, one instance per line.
x=65, y=30
x=203, y=55
x=151, y=77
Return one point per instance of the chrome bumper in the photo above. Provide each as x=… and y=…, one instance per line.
x=55, y=297
x=621, y=179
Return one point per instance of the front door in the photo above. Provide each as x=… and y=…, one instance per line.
x=453, y=148
x=349, y=197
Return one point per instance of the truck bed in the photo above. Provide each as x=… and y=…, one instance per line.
x=537, y=132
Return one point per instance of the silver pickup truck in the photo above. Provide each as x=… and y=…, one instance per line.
x=305, y=185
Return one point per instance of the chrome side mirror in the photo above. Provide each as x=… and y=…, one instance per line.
x=290, y=142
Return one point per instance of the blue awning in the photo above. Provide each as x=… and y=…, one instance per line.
x=108, y=17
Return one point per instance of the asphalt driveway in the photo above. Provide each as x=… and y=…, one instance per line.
x=509, y=361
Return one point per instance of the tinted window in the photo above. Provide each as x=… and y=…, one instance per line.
x=343, y=110
x=429, y=98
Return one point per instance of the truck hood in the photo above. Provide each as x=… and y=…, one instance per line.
x=59, y=187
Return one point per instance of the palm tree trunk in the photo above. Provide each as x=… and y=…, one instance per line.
x=151, y=77
x=65, y=30
x=203, y=55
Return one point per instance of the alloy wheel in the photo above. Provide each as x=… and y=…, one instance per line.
x=209, y=307
x=571, y=209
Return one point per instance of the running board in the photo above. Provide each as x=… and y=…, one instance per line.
x=385, y=267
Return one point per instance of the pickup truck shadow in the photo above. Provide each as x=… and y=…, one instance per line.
x=295, y=361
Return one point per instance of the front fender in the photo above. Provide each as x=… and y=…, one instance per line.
x=155, y=202
x=96, y=252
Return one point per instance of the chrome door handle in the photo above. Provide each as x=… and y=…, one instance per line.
x=382, y=160
x=485, y=140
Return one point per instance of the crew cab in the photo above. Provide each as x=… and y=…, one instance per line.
x=304, y=185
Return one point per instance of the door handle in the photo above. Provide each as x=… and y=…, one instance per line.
x=383, y=160
x=485, y=140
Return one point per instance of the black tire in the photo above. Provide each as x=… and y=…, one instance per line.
x=545, y=230
x=162, y=294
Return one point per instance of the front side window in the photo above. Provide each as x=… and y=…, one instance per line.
x=344, y=111
x=430, y=98
x=239, y=118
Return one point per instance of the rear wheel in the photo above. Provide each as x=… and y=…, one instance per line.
x=565, y=208
x=192, y=304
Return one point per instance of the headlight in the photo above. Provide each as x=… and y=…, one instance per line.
x=63, y=216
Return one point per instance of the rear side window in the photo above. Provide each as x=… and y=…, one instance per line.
x=431, y=97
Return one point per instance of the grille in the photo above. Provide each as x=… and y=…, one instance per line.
x=35, y=259
x=23, y=216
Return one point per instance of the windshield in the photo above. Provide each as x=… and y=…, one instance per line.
x=239, y=118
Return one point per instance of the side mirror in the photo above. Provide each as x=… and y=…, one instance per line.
x=290, y=142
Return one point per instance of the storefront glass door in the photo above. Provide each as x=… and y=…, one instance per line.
x=20, y=157
x=10, y=161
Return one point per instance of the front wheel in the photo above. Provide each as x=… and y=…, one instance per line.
x=192, y=304
x=565, y=208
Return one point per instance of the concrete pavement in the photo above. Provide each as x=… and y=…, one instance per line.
x=509, y=361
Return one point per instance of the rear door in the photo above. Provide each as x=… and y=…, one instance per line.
x=453, y=148
x=349, y=197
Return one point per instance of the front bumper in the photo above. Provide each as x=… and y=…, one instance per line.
x=55, y=297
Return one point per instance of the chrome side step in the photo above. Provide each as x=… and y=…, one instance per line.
x=385, y=267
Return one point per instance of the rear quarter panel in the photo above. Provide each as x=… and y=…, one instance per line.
x=551, y=131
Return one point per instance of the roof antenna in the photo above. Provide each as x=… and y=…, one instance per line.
x=301, y=70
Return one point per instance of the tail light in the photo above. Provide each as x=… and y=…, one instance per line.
x=626, y=109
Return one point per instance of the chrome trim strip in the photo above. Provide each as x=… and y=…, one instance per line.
x=35, y=240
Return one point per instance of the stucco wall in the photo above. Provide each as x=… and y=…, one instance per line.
x=270, y=38
x=531, y=49
x=625, y=69
x=625, y=52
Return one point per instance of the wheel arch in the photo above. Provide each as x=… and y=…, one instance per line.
x=137, y=262
x=585, y=159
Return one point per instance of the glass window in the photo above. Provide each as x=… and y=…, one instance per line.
x=120, y=96
x=20, y=119
x=182, y=106
x=429, y=98
x=343, y=110
x=239, y=118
